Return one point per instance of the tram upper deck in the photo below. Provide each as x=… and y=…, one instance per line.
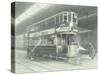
x=65, y=18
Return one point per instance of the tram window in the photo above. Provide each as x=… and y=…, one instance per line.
x=47, y=41
x=46, y=24
x=70, y=39
x=44, y=41
x=65, y=18
x=41, y=26
x=69, y=17
x=50, y=41
x=51, y=23
x=57, y=20
x=74, y=19
x=36, y=28
x=61, y=18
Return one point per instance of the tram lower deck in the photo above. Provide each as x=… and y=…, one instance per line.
x=56, y=45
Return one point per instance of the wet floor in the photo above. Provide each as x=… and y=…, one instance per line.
x=24, y=65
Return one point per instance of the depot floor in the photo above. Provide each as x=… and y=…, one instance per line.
x=24, y=65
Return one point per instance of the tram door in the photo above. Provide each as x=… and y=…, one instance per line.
x=64, y=43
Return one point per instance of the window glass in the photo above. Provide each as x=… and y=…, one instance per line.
x=42, y=26
x=57, y=20
x=74, y=18
x=69, y=16
x=51, y=23
x=65, y=17
x=61, y=18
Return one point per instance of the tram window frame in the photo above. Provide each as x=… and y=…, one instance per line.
x=47, y=40
x=74, y=19
x=35, y=28
x=43, y=26
x=65, y=17
x=69, y=17
x=50, y=41
x=44, y=41
x=61, y=18
x=51, y=23
x=57, y=20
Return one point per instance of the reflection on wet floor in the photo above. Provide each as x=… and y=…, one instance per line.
x=39, y=64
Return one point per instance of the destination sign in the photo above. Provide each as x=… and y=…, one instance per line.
x=51, y=31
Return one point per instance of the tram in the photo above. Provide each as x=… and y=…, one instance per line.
x=55, y=36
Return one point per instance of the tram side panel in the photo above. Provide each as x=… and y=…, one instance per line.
x=43, y=51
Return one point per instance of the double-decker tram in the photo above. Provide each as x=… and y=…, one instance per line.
x=55, y=36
